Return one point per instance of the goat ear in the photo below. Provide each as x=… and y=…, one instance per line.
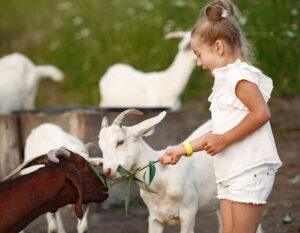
x=146, y=128
x=78, y=184
x=104, y=122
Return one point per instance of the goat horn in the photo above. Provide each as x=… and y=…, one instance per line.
x=121, y=116
x=42, y=159
x=52, y=154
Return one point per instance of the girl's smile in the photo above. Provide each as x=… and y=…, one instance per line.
x=214, y=56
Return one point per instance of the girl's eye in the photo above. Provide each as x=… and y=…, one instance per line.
x=120, y=143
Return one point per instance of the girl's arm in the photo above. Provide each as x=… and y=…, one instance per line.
x=174, y=153
x=258, y=115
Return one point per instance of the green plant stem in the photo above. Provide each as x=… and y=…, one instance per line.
x=130, y=175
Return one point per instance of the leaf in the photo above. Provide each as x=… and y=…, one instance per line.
x=146, y=185
x=127, y=195
x=123, y=171
x=117, y=181
x=97, y=173
x=138, y=180
x=152, y=171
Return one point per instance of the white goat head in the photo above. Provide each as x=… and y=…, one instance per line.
x=123, y=146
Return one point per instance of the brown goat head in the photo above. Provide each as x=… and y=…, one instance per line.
x=88, y=186
x=24, y=198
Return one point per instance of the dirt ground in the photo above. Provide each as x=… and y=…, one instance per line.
x=284, y=199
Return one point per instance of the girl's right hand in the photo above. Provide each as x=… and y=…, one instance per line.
x=172, y=154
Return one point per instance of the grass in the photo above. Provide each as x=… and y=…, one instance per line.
x=84, y=38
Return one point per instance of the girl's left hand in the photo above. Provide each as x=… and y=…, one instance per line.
x=214, y=143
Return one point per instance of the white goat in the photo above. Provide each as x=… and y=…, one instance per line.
x=182, y=189
x=42, y=139
x=124, y=86
x=19, y=79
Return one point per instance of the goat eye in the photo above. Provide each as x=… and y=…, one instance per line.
x=120, y=143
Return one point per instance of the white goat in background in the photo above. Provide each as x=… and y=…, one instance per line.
x=19, y=79
x=124, y=86
x=182, y=189
x=42, y=139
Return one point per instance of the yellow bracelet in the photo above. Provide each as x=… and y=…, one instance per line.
x=188, y=148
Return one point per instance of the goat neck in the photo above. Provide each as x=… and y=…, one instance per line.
x=146, y=155
x=181, y=67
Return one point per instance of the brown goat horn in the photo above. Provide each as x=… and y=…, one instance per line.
x=52, y=154
x=42, y=159
x=121, y=116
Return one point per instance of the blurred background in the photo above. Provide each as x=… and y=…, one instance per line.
x=84, y=38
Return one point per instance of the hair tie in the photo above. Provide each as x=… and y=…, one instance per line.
x=224, y=13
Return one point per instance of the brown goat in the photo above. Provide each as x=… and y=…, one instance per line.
x=26, y=197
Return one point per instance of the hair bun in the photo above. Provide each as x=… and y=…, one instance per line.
x=218, y=9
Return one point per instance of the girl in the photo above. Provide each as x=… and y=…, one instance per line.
x=241, y=140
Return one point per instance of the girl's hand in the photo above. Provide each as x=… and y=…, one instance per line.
x=214, y=143
x=172, y=154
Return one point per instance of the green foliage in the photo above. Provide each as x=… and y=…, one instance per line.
x=84, y=38
x=129, y=177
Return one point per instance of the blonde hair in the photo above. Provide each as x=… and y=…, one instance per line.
x=218, y=24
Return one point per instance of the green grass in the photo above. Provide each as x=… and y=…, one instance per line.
x=84, y=38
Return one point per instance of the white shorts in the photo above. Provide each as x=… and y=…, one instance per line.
x=252, y=186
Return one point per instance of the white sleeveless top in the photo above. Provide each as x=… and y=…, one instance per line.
x=227, y=110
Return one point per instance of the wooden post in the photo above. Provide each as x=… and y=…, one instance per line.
x=9, y=144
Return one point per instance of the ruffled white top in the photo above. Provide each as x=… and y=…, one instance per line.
x=227, y=110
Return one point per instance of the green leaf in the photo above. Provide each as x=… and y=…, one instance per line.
x=138, y=180
x=152, y=171
x=127, y=195
x=146, y=185
x=97, y=173
x=117, y=181
x=123, y=171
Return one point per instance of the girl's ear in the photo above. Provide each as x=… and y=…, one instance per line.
x=219, y=47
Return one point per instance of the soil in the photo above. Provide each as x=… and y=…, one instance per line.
x=284, y=199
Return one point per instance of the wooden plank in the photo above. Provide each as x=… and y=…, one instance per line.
x=9, y=144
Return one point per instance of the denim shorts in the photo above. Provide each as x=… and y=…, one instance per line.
x=252, y=186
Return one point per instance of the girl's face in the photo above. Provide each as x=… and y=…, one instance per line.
x=208, y=57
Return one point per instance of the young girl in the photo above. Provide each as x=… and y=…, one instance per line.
x=241, y=140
